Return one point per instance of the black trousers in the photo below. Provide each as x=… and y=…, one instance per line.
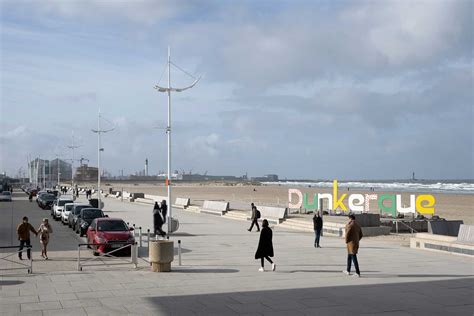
x=268, y=259
x=22, y=245
x=254, y=222
x=159, y=231
x=351, y=258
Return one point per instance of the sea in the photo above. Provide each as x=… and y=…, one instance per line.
x=426, y=186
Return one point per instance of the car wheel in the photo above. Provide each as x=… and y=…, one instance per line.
x=95, y=253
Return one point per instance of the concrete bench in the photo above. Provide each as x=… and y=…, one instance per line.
x=441, y=243
x=466, y=234
x=215, y=207
x=270, y=212
x=156, y=198
x=144, y=201
x=182, y=202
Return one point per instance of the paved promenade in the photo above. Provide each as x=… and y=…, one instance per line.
x=219, y=274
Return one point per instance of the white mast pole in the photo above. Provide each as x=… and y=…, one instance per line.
x=170, y=208
x=98, y=158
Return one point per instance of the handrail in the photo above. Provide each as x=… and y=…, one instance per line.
x=29, y=266
x=133, y=254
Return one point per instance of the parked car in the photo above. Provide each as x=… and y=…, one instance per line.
x=59, y=207
x=76, y=209
x=46, y=201
x=6, y=196
x=106, y=234
x=85, y=218
x=65, y=214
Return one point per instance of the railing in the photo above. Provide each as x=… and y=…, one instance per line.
x=20, y=265
x=411, y=228
x=133, y=256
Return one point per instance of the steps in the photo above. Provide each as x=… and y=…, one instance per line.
x=297, y=225
x=237, y=215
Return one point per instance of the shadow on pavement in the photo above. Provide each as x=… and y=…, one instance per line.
x=10, y=282
x=205, y=270
x=446, y=297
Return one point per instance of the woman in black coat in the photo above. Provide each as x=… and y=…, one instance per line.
x=158, y=220
x=265, y=246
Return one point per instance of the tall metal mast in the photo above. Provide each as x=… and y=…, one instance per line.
x=98, y=131
x=168, y=90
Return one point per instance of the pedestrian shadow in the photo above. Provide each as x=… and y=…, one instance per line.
x=10, y=282
x=205, y=270
x=387, y=275
x=318, y=271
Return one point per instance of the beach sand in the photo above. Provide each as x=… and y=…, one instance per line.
x=449, y=206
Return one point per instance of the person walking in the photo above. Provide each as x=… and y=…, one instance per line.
x=23, y=231
x=353, y=236
x=318, y=227
x=265, y=246
x=164, y=210
x=44, y=230
x=158, y=220
x=254, y=217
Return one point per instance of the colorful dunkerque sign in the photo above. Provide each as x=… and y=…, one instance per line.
x=422, y=204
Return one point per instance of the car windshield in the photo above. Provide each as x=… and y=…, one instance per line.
x=62, y=202
x=78, y=208
x=6, y=193
x=92, y=213
x=68, y=207
x=49, y=197
x=112, y=226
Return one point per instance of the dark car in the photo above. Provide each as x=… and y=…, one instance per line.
x=76, y=210
x=106, y=234
x=85, y=218
x=46, y=201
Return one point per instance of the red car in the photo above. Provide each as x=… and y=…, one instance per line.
x=109, y=234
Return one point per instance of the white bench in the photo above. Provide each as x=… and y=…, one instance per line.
x=273, y=213
x=466, y=234
x=182, y=202
x=157, y=198
x=215, y=207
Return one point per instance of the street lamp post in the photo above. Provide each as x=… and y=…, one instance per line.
x=168, y=90
x=98, y=131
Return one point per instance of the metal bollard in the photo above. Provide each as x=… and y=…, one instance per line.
x=140, y=236
x=148, y=238
x=79, y=258
x=179, y=252
x=134, y=254
x=396, y=227
x=134, y=231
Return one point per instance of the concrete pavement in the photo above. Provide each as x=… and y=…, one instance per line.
x=219, y=275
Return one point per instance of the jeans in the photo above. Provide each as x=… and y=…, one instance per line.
x=28, y=251
x=351, y=258
x=254, y=221
x=318, y=235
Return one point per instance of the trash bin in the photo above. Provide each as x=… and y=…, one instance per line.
x=161, y=255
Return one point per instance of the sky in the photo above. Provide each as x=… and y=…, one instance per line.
x=302, y=89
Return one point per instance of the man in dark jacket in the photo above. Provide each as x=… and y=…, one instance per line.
x=318, y=227
x=353, y=235
x=23, y=232
x=254, y=218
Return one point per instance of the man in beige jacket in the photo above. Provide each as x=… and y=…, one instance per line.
x=353, y=235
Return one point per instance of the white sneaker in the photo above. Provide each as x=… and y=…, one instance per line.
x=356, y=275
x=273, y=267
x=261, y=270
x=346, y=272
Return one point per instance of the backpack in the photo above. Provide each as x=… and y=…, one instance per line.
x=257, y=213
